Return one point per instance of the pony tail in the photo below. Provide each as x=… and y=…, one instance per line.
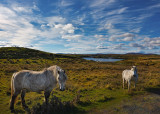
x=12, y=85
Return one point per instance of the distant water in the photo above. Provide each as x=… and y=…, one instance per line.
x=102, y=59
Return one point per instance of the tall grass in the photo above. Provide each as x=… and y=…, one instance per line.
x=90, y=85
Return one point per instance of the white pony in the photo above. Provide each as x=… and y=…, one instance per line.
x=36, y=81
x=128, y=75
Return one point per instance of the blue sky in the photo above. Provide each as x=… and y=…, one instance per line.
x=81, y=26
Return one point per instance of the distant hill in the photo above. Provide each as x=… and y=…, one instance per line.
x=20, y=52
x=132, y=53
x=141, y=53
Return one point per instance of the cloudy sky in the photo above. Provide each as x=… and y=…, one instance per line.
x=81, y=26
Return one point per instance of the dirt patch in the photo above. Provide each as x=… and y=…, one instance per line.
x=144, y=104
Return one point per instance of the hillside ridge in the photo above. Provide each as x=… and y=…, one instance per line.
x=27, y=53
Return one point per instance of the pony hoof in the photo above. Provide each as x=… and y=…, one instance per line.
x=12, y=111
x=25, y=106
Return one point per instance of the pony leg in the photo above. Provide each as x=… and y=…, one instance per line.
x=123, y=83
x=135, y=84
x=14, y=96
x=22, y=98
x=47, y=94
x=129, y=85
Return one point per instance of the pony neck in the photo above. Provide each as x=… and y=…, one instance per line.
x=133, y=70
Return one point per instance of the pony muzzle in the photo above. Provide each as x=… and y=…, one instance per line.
x=62, y=89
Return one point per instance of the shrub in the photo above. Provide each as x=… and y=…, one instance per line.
x=55, y=106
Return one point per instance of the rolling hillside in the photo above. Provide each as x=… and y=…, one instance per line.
x=92, y=87
x=25, y=53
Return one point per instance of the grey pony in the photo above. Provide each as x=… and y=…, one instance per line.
x=36, y=81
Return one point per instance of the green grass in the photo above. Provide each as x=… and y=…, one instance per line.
x=91, y=86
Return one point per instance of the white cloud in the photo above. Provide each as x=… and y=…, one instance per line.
x=6, y=11
x=142, y=17
x=80, y=19
x=17, y=28
x=136, y=45
x=8, y=44
x=20, y=9
x=108, y=25
x=4, y=43
x=146, y=44
x=154, y=6
x=81, y=45
x=58, y=26
x=71, y=37
x=127, y=35
x=155, y=41
x=100, y=3
x=98, y=36
x=4, y=35
x=69, y=28
x=65, y=3
x=151, y=43
x=102, y=47
x=25, y=36
x=128, y=39
x=120, y=46
x=55, y=19
x=112, y=38
x=101, y=40
x=136, y=30
x=117, y=11
x=97, y=26
x=122, y=37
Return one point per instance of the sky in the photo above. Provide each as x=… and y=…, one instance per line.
x=81, y=26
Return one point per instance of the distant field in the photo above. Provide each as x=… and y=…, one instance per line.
x=91, y=86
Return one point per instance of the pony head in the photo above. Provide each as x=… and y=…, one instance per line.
x=134, y=69
x=61, y=78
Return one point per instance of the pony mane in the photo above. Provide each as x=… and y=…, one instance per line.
x=54, y=69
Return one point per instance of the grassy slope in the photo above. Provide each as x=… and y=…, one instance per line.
x=97, y=85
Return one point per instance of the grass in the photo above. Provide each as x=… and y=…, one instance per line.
x=91, y=86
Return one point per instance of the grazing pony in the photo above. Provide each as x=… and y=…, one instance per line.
x=128, y=75
x=36, y=81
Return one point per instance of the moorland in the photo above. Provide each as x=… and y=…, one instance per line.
x=92, y=87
